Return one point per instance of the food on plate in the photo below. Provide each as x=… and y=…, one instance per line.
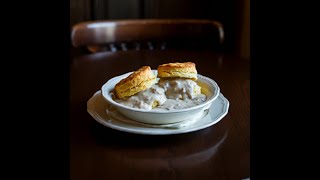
x=175, y=88
x=178, y=70
x=138, y=81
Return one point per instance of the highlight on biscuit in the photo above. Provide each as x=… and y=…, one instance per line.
x=178, y=70
x=137, y=81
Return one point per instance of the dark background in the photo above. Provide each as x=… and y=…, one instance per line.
x=234, y=15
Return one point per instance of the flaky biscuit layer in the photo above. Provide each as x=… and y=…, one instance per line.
x=138, y=81
x=178, y=70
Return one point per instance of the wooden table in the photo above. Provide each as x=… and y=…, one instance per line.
x=221, y=151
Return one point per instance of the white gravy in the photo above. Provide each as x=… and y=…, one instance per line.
x=167, y=95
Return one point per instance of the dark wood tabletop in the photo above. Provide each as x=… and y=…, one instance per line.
x=221, y=151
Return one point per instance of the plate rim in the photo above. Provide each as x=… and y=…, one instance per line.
x=150, y=132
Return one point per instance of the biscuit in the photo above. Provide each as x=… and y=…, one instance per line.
x=137, y=81
x=178, y=70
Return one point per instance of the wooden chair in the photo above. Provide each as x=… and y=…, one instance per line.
x=124, y=35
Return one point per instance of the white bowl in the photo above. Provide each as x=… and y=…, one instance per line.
x=209, y=88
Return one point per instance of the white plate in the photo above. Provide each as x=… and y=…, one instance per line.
x=108, y=116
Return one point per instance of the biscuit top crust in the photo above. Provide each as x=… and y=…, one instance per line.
x=179, y=65
x=144, y=73
x=178, y=70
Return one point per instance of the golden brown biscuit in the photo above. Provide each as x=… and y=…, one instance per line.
x=138, y=81
x=178, y=70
